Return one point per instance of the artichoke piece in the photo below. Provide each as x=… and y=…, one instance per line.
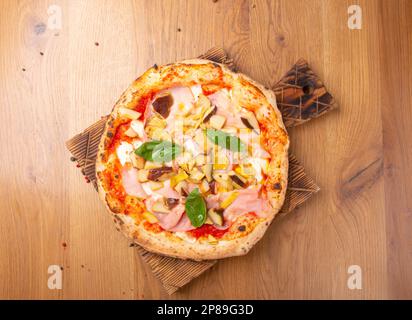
x=249, y=120
x=216, y=215
x=160, y=207
x=229, y=200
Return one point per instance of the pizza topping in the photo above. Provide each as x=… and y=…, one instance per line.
x=216, y=215
x=172, y=202
x=129, y=113
x=123, y=152
x=154, y=185
x=217, y=121
x=196, y=208
x=208, y=230
x=249, y=120
x=196, y=175
x=208, y=114
x=183, y=225
x=158, y=151
x=137, y=162
x=238, y=181
x=222, y=100
x=225, y=140
x=162, y=105
x=196, y=91
x=130, y=133
x=131, y=184
x=229, y=199
x=159, y=206
x=142, y=175
x=170, y=219
x=160, y=174
x=247, y=200
x=190, y=147
x=150, y=217
x=138, y=127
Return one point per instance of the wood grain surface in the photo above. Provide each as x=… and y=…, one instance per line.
x=54, y=83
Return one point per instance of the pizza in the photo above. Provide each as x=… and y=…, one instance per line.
x=193, y=161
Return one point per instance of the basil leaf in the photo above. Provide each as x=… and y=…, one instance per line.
x=158, y=151
x=196, y=208
x=146, y=149
x=225, y=140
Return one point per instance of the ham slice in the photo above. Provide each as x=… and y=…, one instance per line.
x=181, y=96
x=212, y=201
x=131, y=184
x=167, y=220
x=167, y=191
x=247, y=201
x=259, y=152
x=225, y=108
x=183, y=225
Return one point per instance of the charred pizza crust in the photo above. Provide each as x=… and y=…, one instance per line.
x=248, y=94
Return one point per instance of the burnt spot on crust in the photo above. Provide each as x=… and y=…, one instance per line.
x=155, y=66
x=241, y=228
x=119, y=220
x=277, y=186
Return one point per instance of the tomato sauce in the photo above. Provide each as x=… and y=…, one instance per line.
x=154, y=227
x=207, y=229
x=120, y=136
x=143, y=102
x=114, y=186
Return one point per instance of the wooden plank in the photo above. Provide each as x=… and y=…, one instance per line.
x=396, y=95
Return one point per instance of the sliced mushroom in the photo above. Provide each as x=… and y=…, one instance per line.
x=171, y=203
x=163, y=104
x=212, y=186
x=159, y=174
x=249, y=120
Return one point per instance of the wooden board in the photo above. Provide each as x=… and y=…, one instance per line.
x=360, y=155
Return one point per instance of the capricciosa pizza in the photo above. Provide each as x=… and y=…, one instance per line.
x=193, y=161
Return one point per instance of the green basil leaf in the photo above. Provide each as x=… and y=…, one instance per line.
x=196, y=208
x=225, y=140
x=146, y=149
x=165, y=151
x=158, y=151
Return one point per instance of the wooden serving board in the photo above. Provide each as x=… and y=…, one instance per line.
x=301, y=97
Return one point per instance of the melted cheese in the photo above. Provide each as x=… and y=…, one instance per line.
x=196, y=91
x=123, y=152
x=184, y=236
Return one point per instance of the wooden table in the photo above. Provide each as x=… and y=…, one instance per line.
x=56, y=82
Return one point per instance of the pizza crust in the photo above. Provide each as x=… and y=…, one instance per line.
x=266, y=113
